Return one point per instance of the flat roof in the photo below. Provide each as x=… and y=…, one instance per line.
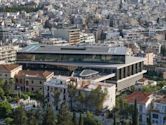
x=39, y=48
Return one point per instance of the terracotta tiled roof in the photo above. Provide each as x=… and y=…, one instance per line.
x=8, y=67
x=30, y=73
x=141, y=97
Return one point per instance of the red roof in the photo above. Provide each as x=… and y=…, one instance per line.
x=141, y=97
x=41, y=74
x=8, y=67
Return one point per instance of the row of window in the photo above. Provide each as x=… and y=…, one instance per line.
x=27, y=81
x=84, y=58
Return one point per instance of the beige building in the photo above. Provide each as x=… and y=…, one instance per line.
x=32, y=81
x=8, y=54
x=149, y=58
x=72, y=35
x=8, y=71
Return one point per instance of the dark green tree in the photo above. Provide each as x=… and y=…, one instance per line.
x=5, y=109
x=81, y=120
x=8, y=121
x=74, y=118
x=8, y=87
x=49, y=117
x=20, y=116
x=32, y=119
x=91, y=120
x=114, y=118
x=1, y=93
x=64, y=116
x=149, y=119
x=135, y=116
x=72, y=92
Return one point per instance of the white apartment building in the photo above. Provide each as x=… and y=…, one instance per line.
x=158, y=113
x=59, y=86
x=144, y=101
x=87, y=38
x=8, y=54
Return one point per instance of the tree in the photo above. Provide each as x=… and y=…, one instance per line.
x=8, y=87
x=49, y=117
x=91, y=120
x=81, y=120
x=82, y=99
x=74, y=119
x=72, y=91
x=5, y=109
x=135, y=114
x=149, y=119
x=8, y=121
x=20, y=116
x=32, y=119
x=114, y=117
x=64, y=116
x=96, y=99
x=1, y=93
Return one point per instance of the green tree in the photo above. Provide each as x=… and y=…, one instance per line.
x=96, y=99
x=114, y=118
x=91, y=120
x=81, y=120
x=74, y=119
x=64, y=116
x=1, y=93
x=49, y=117
x=82, y=99
x=72, y=92
x=5, y=109
x=32, y=119
x=8, y=87
x=149, y=119
x=135, y=114
x=8, y=121
x=20, y=116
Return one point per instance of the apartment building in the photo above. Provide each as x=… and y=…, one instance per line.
x=32, y=81
x=60, y=84
x=144, y=101
x=71, y=34
x=8, y=54
x=8, y=71
x=158, y=112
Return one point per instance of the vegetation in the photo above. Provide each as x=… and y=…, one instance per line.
x=5, y=109
x=49, y=117
x=64, y=116
x=92, y=101
x=90, y=120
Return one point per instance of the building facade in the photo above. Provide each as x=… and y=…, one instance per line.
x=8, y=71
x=8, y=54
x=68, y=59
x=144, y=101
x=72, y=35
x=32, y=81
x=158, y=112
x=57, y=91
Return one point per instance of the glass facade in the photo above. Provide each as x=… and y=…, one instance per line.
x=76, y=58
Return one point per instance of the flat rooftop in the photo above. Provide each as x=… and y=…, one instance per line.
x=39, y=48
